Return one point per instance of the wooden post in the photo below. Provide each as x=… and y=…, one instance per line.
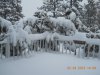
x=46, y=45
x=53, y=45
x=1, y=50
x=70, y=48
x=84, y=49
x=99, y=52
x=62, y=47
x=88, y=51
x=75, y=49
x=59, y=46
x=33, y=47
x=49, y=45
x=56, y=45
x=13, y=50
x=43, y=43
x=40, y=44
x=93, y=50
x=37, y=45
x=7, y=50
x=66, y=46
x=79, y=50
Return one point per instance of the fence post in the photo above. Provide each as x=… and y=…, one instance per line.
x=43, y=43
x=40, y=44
x=7, y=50
x=79, y=50
x=13, y=51
x=46, y=45
x=99, y=52
x=49, y=45
x=88, y=50
x=53, y=45
x=56, y=45
x=62, y=48
x=70, y=47
x=33, y=46
x=1, y=50
x=93, y=50
x=84, y=50
x=75, y=50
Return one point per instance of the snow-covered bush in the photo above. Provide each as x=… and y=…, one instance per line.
x=69, y=14
x=63, y=25
x=4, y=25
x=28, y=24
x=40, y=14
x=15, y=36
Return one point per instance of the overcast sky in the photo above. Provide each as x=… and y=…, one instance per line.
x=30, y=6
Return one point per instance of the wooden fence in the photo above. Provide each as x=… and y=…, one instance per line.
x=42, y=45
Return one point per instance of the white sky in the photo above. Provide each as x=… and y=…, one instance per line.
x=30, y=6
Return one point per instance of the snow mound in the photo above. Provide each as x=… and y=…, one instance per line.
x=61, y=21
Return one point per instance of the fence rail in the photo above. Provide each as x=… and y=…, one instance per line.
x=8, y=50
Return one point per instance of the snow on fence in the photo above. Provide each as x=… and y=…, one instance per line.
x=51, y=42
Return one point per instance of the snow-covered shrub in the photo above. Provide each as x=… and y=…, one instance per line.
x=15, y=36
x=93, y=49
x=83, y=28
x=94, y=28
x=4, y=25
x=40, y=14
x=63, y=25
x=4, y=29
x=70, y=14
x=28, y=24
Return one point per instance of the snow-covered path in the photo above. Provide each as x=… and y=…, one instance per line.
x=49, y=64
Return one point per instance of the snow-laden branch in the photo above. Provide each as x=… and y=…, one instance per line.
x=78, y=36
x=35, y=37
x=3, y=42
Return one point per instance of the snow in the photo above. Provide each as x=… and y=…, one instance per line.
x=84, y=2
x=78, y=36
x=28, y=29
x=22, y=36
x=61, y=21
x=48, y=64
x=93, y=41
x=48, y=38
x=11, y=36
x=4, y=23
x=35, y=37
x=49, y=13
x=26, y=21
x=78, y=21
x=2, y=56
x=72, y=16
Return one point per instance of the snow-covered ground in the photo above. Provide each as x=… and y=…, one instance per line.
x=49, y=64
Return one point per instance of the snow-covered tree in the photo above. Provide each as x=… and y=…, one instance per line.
x=11, y=10
x=51, y=5
x=91, y=12
x=98, y=12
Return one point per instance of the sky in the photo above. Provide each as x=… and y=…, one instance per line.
x=30, y=6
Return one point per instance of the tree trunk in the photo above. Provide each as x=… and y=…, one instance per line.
x=71, y=3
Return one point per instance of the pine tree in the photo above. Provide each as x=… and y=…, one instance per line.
x=51, y=5
x=11, y=10
x=91, y=13
x=98, y=12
